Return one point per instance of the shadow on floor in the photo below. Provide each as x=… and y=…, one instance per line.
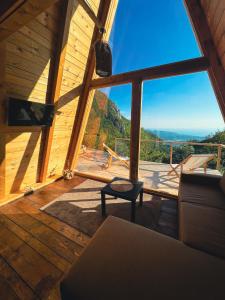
x=81, y=209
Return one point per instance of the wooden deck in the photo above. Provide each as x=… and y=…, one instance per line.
x=154, y=175
x=36, y=249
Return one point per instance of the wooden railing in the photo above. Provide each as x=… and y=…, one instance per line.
x=219, y=147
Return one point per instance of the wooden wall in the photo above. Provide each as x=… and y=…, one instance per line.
x=26, y=74
x=81, y=30
x=29, y=56
x=215, y=13
x=2, y=117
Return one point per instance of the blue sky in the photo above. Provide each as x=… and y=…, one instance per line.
x=148, y=33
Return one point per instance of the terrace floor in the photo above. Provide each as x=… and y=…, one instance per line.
x=154, y=175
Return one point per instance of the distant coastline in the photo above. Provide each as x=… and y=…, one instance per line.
x=181, y=134
x=184, y=134
x=202, y=132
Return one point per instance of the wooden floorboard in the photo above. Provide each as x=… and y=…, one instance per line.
x=55, y=241
x=73, y=234
x=51, y=238
x=36, y=250
x=27, y=263
x=13, y=283
x=41, y=248
x=6, y=291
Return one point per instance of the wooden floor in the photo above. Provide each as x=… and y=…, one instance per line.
x=154, y=175
x=36, y=250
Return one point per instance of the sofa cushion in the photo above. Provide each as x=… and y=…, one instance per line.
x=128, y=261
x=207, y=195
x=222, y=183
x=203, y=227
x=200, y=178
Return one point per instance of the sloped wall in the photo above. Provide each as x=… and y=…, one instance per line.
x=26, y=73
x=29, y=56
x=79, y=40
x=2, y=136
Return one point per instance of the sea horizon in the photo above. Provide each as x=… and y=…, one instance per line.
x=198, y=132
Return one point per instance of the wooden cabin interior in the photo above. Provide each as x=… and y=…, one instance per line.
x=50, y=249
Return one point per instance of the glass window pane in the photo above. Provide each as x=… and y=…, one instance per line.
x=179, y=113
x=150, y=33
x=106, y=145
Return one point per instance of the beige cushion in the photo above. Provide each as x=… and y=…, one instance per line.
x=222, y=183
x=200, y=178
x=202, y=194
x=127, y=261
x=203, y=227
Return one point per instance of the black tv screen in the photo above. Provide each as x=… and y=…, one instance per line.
x=28, y=113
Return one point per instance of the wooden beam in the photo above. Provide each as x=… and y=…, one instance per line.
x=8, y=7
x=56, y=84
x=205, y=39
x=86, y=97
x=22, y=15
x=172, y=69
x=2, y=120
x=91, y=14
x=219, y=156
x=135, y=133
x=2, y=165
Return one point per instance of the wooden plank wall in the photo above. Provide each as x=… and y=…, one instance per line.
x=81, y=30
x=215, y=13
x=29, y=56
x=29, y=59
x=2, y=117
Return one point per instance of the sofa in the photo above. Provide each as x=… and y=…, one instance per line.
x=127, y=261
x=202, y=212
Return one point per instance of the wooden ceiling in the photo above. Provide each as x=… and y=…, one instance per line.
x=8, y=7
x=17, y=13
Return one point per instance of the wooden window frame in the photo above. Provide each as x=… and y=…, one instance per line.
x=209, y=62
x=136, y=78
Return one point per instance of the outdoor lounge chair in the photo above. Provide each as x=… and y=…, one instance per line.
x=83, y=149
x=192, y=162
x=113, y=154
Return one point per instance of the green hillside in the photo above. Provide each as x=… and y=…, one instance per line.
x=106, y=123
x=217, y=138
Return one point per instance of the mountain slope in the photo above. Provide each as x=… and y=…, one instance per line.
x=106, y=123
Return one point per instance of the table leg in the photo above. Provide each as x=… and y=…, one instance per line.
x=103, y=204
x=133, y=207
x=141, y=198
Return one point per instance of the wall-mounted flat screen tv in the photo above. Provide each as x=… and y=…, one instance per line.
x=28, y=113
